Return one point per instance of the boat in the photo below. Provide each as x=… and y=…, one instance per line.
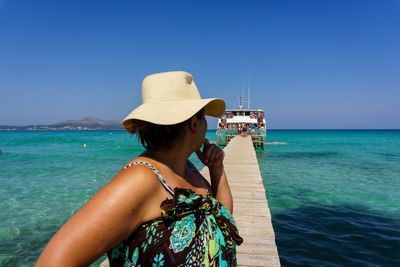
x=244, y=122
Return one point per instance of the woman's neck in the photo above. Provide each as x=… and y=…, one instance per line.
x=175, y=159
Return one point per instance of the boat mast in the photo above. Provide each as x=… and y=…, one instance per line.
x=240, y=103
x=248, y=93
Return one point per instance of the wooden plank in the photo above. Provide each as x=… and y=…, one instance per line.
x=250, y=206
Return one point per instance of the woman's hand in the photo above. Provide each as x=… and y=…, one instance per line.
x=212, y=155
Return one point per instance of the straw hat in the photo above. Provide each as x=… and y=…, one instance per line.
x=170, y=98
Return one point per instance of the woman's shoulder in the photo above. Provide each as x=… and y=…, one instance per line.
x=140, y=174
x=137, y=171
x=140, y=186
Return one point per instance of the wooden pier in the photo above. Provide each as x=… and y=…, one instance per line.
x=250, y=206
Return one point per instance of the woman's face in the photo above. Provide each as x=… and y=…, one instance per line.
x=204, y=124
x=202, y=127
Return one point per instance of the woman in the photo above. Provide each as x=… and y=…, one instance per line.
x=158, y=210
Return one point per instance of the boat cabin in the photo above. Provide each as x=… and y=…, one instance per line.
x=242, y=118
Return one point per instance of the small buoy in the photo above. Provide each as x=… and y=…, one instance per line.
x=84, y=145
x=118, y=147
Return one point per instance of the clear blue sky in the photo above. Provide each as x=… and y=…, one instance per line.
x=313, y=63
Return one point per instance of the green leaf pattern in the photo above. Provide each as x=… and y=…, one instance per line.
x=193, y=231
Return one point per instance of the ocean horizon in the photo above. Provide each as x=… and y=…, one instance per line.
x=331, y=191
x=269, y=129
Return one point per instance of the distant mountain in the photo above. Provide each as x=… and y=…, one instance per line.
x=90, y=122
x=87, y=123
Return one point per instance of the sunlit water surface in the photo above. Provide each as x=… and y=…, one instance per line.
x=334, y=195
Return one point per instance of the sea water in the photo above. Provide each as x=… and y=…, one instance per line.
x=334, y=195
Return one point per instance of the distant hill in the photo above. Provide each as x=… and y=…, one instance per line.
x=85, y=124
x=90, y=122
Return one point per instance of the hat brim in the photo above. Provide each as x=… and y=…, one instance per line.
x=173, y=112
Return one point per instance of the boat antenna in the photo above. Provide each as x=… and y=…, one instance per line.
x=242, y=90
x=248, y=93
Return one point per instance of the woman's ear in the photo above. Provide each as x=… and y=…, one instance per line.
x=195, y=120
x=193, y=124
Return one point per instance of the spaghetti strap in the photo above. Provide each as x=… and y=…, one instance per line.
x=156, y=172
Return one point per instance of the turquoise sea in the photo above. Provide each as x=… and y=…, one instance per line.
x=334, y=195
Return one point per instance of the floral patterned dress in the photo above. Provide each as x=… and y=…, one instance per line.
x=193, y=230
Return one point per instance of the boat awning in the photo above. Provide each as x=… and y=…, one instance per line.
x=241, y=119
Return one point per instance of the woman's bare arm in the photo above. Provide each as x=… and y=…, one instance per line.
x=221, y=189
x=107, y=219
x=212, y=156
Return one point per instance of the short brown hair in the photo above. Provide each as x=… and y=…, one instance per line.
x=153, y=135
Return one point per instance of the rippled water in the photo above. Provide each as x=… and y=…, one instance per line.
x=334, y=195
x=46, y=177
